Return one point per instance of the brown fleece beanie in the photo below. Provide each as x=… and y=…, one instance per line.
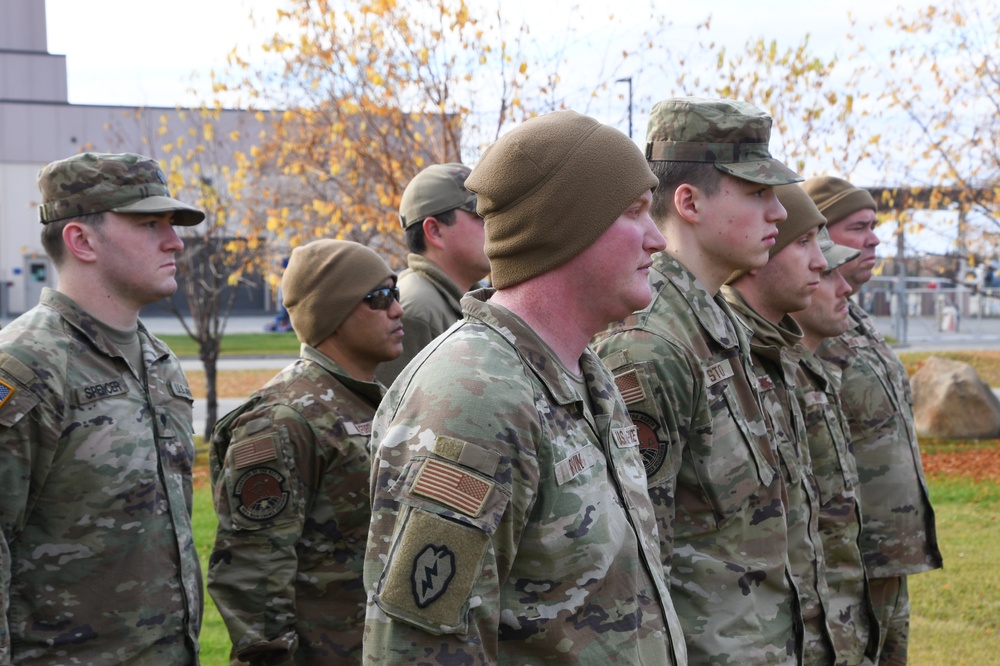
x=836, y=198
x=803, y=215
x=324, y=281
x=550, y=187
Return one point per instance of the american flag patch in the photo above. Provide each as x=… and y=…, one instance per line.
x=629, y=386
x=6, y=390
x=452, y=487
x=253, y=452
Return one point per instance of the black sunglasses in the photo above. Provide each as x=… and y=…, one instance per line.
x=382, y=298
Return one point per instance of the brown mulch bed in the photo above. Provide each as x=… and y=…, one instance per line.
x=977, y=464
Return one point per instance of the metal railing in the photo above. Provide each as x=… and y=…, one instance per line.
x=937, y=306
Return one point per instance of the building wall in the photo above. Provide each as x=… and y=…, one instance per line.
x=38, y=125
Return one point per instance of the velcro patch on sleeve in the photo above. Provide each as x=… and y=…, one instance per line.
x=452, y=486
x=617, y=359
x=572, y=466
x=716, y=373
x=181, y=390
x=432, y=571
x=630, y=387
x=254, y=451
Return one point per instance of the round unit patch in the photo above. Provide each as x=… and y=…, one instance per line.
x=261, y=492
x=651, y=448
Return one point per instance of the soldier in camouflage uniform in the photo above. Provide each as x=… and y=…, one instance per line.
x=445, y=237
x=898, y=537
x=510, y=520
x=763, y=298
x=683, y=366
x=290, y=468
x=850, y=613
x=99, y=564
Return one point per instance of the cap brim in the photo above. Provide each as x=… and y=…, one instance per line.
x=184, y=215
x=838, y=255
x=765, y=172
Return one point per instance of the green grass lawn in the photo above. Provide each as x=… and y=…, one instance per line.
x=956, y=611
x=257, y=344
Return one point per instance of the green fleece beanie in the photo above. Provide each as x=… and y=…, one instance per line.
x=836, y=198
x=550, y=188
x=324, y=281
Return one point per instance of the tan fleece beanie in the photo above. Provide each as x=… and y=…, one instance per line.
x=324, y=281
x=803, y=215
x=836, y=198
x=550, y=187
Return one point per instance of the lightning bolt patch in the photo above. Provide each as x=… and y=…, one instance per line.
x=433, y=569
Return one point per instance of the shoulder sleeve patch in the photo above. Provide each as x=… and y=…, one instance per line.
x=452, y=486
x=630, y=387
x=431, y=573
x=254, y=451
x=6, y=391
x=16, y=398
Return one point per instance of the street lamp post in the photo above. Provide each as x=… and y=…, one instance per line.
x=628, y=80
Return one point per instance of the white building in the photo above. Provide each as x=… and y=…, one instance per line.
x=38, y=125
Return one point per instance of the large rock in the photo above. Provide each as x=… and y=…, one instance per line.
x=950, y=400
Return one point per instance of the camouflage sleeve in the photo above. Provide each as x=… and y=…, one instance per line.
x=658, y=384
x=261, y=499
x=436, y=563
x=27, y=449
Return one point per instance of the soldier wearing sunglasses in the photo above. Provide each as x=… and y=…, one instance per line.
x=290, y=467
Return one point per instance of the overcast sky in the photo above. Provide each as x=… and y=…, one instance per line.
x=140, y=52
x=143, y=52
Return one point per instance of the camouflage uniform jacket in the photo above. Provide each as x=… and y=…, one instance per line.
x=431, y=303
x=95, y=496
x=686, y=375
x=510, y=520
x=776, y=352
x=851, y=615
x=290, y=471
x=898, y=536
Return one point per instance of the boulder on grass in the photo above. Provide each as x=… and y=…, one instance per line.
x=951, y=401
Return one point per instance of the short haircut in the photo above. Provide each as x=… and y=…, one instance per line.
x=52, y=238
x=416, y=242
x=672, y=175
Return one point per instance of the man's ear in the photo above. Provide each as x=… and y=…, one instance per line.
x=79, y=241
x=432, y=231
x=687, y=202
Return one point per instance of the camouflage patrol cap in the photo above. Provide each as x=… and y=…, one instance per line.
x=835, y=255
x=435, y=190
x=730, y=134
x=118, y=182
